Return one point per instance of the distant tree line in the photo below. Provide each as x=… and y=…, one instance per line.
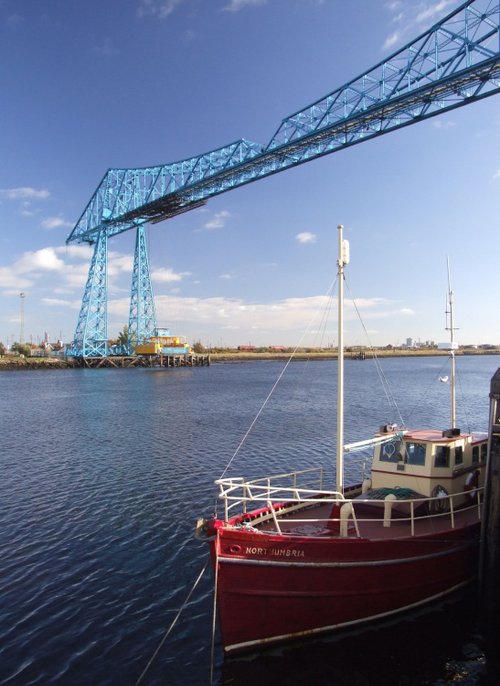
x=19, y=348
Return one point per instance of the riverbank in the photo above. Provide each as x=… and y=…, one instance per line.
x=8, y=363
x=236, y=356
x=19, y=363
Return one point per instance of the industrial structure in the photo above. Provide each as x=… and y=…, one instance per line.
x=454, y=63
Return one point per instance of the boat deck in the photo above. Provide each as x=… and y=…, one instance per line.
x=283, y=506
x=368, y=522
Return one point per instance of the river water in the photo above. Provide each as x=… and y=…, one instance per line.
x=103, y=474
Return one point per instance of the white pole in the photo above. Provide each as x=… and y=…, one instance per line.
x=452, y=350
x=342, y=260
x=21, y=336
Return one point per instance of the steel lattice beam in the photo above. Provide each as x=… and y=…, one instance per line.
x=454, y=63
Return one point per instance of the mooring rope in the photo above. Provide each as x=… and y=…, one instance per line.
x=155, y=654
x=383, y=379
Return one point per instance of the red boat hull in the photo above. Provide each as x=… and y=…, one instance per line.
x=272, y=588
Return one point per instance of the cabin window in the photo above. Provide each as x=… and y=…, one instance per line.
x=415, y=453
x=442, y=456
x=391, y=452
x=475, y=454
x=459, y=454
x=484, y=451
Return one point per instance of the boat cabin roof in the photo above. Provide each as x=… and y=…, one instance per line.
x=438, y=436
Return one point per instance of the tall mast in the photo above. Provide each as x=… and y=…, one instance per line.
x=452, y=347
x=343, y=252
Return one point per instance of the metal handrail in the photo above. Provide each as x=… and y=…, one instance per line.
x=280, y=500
x=274, y=477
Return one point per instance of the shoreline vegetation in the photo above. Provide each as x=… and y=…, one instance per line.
x=8, y=362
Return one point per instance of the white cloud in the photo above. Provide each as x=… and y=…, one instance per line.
x=218, y=221
x=119, y=307
x=59, y=302
x=24, y=193
x=306, y=237
x=119, y=264
x=164, y=8
x=67, y=265
x=167, y=275
x=45, y=259
x=284, y=317
x=188, y=36
x=391, y=40
x=23, y=273
x=157, y=8
x=81, y=252
x=434, y=10
x=14, y=20
x=11, y=280
x=237, y=5
x=413, y=18
x=56, y=223
x=106, y=48
x=440, y=124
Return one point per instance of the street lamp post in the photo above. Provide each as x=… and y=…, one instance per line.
x=21, y=336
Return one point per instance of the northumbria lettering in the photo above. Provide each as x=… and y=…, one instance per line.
x=274, y=552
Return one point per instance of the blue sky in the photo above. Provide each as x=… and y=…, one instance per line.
x=128, y=83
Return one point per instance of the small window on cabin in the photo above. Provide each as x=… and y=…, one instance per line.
x=459, y=454
x=475, y=454
x=442, y=456
x=484, y=451
x=390, y=452
x=415, y=453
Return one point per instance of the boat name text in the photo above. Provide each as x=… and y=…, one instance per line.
x=275, y=552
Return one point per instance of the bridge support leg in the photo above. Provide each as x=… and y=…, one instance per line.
x=91, y=335
x=142, y=318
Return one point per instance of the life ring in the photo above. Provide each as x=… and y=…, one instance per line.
x=389, y=449
x=440, y=502
x=472, y=484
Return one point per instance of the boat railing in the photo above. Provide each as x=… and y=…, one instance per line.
x=312, y=476
x=299, y=488
x=267, y=499
x=419, y=510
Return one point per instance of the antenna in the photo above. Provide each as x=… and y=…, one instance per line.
x=451, y=329
x=21, y=334
x=343, y=259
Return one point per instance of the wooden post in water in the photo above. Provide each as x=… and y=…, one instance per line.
x=490, y=548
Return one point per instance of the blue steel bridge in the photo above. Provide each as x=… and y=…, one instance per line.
x=454, y=63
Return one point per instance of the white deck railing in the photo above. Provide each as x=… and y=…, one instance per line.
x=276, y=498
x=306, y=484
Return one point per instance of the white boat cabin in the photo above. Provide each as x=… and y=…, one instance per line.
x=429, y=462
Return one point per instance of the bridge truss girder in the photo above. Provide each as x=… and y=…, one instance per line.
x=453, y=64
